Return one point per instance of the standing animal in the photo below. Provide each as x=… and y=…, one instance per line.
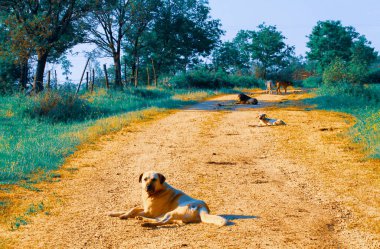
x=245, y=99
x=264, y=120
x=163, y=204
x=269, y=86
x=283, y=84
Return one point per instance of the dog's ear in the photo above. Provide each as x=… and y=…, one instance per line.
x=161, y=178
x=140, y=178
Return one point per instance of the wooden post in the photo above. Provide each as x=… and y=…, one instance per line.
x=93, y=80
x=154, y=73
x=147, y=74
x=34, y=84
x=137, y=72
x=81, y=78
x=125, y=71
x=56, y=80
x=105, y=72
x=87, y=81
x=48, y=81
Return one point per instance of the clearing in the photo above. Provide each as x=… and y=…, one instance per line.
x=303, y=185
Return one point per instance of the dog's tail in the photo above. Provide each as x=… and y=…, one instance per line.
x=211, y=219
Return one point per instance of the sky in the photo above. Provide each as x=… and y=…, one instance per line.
x=294, y=18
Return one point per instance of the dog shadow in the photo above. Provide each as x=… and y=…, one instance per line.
x=232, y=217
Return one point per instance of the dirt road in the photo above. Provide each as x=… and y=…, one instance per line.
x=302, y=185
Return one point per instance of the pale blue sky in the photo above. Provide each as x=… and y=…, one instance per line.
x=296, y=18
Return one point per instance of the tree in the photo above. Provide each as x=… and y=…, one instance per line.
x=181, y=34
x=334, y=47
x=330, y=40
x=47, y=27
x=268, y=49
x=142, y=15
x=227, y=57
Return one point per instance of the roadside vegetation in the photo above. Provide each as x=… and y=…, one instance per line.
x=38, y=133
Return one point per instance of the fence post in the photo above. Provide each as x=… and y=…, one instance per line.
x=93, y=80
x=87, y=81
x=105, y=72
x=48, y=81
x=81, y=78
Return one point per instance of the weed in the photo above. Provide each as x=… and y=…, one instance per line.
x=18, y=222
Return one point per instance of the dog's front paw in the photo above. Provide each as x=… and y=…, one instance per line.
x=139, y=218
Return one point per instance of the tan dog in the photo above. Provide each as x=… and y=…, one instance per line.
x=267, y=121
x=269, y=86
x=163, y=204
x=283, y=84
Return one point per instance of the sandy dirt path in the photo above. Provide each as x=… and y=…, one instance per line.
x=280, y=187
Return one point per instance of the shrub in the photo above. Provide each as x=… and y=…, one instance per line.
x=312, y=82
x=212, y=80
x=59, y=107
x=336, y=72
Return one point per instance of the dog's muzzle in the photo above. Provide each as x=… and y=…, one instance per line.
x=150, y=188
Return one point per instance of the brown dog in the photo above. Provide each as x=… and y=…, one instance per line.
x=163, y=204
x=245, y=99
x=283, y=84
x=263, y=120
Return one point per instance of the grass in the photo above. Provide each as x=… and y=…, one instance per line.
x=38, y=133
x=361, y=101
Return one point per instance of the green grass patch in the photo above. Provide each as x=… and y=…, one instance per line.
x=38, y=133
x=363, y=102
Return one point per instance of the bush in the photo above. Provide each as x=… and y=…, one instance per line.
x=59, y=107
x=312, y=82
x=213, y=80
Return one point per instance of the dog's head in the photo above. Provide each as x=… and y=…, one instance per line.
x=152, y=182
x=262, y=116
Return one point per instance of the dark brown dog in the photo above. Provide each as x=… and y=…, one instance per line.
x=245, y=99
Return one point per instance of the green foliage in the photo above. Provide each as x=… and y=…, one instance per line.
x=213, y=80
x=31, y=144
x=312, y=82
x=341, y=71
x=269, y=51
x=336, y=72
x=59, y=107
x=330, y=42
x=228, y=57
x=361, y=101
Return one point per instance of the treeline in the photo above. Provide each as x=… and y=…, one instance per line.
x=152, y=39
x=164, y=35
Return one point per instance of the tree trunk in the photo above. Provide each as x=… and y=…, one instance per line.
x=154, y=73
x=116, y=59
x=41, y=63
x=137, y=72
x=24, y=68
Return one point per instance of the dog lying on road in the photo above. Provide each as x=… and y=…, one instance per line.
x=163, y=204
x=263, y=120
x=245, y=99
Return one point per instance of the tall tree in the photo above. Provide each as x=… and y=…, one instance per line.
x=48, y=26
x=328, y=41
x=268, y=49
x=142, y=16
x=228, y=57
x=181, y=34
x=111, y=21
